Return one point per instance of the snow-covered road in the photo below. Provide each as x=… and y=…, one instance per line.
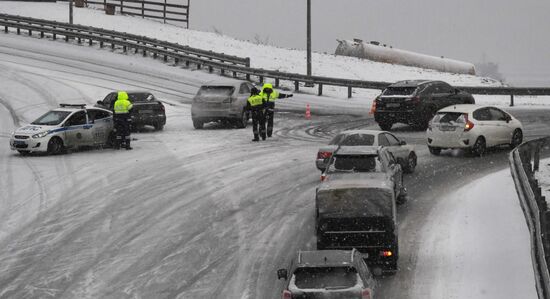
x=189, y=213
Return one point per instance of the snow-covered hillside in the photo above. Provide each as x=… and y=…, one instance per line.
x=262, y=56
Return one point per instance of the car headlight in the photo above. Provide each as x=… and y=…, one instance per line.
x=40, y=135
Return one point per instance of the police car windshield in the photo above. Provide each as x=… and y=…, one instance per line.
x=140, y=97
x=51, y=118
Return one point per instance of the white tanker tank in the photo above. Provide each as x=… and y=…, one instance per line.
x=387, y=54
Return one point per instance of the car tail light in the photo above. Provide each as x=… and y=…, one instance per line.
x=288, y=295
x=366, y=293
x=469, y=125
x=323, y=177
x=415, y=100
x=161, y=106
x=324, y=155
x=373, y=106
x=386, y=253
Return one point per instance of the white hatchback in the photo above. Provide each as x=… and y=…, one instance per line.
x=69, y=126
x=472, y=127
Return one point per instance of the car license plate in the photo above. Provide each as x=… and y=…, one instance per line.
x=447, y=128
x=17, y=142
x=145, y=111
x=393, y=105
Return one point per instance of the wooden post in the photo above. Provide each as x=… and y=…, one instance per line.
x=187, y=16
x=320, y=93
x=164, y=12
x=261, y=79
x=349, y=92
x=71, y=12
x=512, y=100
x=296, y=85
x=276, y=82
x=142, y=8
x=121, y=6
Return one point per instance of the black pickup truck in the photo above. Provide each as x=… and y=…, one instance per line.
x=147, y=110
x=358, y=214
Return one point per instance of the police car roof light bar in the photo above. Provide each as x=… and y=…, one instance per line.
x=81, y=106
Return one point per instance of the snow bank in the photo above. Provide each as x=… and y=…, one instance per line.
x=262, y=56
x=273, y=58
x=543, y=175
x=476, y=245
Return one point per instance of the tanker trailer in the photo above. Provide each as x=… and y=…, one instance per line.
x=376, y=52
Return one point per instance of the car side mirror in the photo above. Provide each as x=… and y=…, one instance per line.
x=402, y=142
x=282, y=273
x=100, y=102
x=457, y=91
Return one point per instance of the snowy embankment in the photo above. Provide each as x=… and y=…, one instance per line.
x=476, y=245
x=268, y=57
x=543, y=175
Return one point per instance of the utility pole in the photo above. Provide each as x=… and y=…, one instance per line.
x=70, y=11
x=309, y=37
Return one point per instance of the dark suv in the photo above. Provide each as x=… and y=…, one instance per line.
x=146, y=110
x=415, y=102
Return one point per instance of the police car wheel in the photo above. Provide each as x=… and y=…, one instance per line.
x=55, y=146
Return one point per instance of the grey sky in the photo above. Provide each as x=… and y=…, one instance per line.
x=515, y=34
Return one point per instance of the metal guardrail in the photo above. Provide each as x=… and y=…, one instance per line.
x=93, y=34
x=524, y=162
x=225, y=64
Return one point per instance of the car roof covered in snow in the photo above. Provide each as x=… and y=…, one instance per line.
x=325, y=258
x=366, y=132
x=357, y=150
x=411, y=83
x=463, y=108
x=224, y=82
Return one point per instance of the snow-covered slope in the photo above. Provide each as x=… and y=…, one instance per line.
x=267, y=57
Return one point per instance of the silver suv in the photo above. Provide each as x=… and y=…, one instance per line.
x=221, y=101
x=328, y=274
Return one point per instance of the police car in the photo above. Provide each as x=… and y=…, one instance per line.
x=70, y=126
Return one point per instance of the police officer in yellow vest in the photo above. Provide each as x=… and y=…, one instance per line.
x=270, y=95
x=121, y=109
x=256, y=106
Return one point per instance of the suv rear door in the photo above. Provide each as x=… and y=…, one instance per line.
x=243, y=95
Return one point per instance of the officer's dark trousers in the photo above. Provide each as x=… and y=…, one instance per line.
x=269, y=113
x=258, y=123
x=122, y=128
